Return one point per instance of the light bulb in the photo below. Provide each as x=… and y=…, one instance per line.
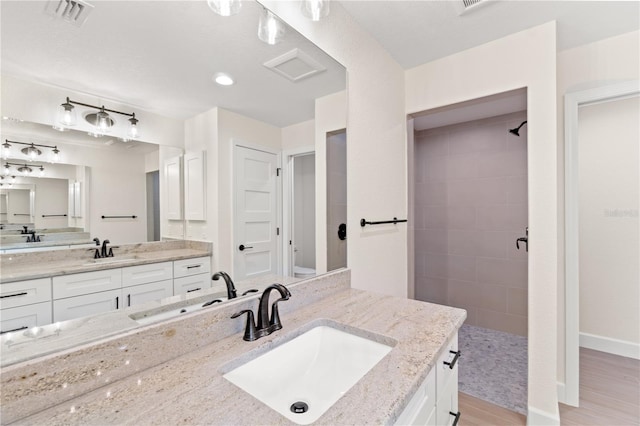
x=56, y=155
x=225, y=7
x=41, y=171
x=67, y=114
x=133, y=127
x=6, y=169
x=33, y=153
x=6, y=150
x=270, y=29
x=315, y=9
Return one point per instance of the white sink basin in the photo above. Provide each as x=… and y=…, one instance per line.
x=315, y=368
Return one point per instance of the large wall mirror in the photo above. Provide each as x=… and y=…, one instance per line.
x=159, y=60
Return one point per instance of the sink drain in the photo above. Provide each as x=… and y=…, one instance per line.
x=299, y=407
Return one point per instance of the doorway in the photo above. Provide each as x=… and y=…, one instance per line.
x=255, y=221
x=336, y=200
x=300, y=213
x=153, y=206
x=470, y=216
x=601, y=226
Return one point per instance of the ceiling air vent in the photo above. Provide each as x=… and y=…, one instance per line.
x=465, y=6
x=73, y=11
x=295, y=65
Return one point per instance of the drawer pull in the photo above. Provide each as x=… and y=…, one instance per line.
x=193, y=266
x=14, y=295
x=128, y=300
x=454, y=360
x=15, y=329
x=117, y=302
x=194, y=289
x=457, y=417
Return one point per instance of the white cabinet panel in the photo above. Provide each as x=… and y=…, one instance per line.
x=194, y=186
x=447, y=407
x=191, y=283
x=138, y=294
x=444, y=372
x=143, y=274
x=23, y=317
x=173, y=181
x=421, y=407
x=25, y=293
x=86, y=282
x=89, y=304
x=186, y=267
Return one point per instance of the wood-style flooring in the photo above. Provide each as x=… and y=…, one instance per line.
x=609, y=396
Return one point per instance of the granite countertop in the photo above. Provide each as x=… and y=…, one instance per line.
x=190, y=388
x=18, y=267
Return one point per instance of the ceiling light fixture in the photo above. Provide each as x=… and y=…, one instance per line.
x=30, y=150
x=270, y=29
x=315, y=9
x=101, y=120
x=223, y=79
x=225, y=7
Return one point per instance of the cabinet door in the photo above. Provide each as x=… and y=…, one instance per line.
x=138, y=294
x=421, y=407
x=194, y=186
x=27, y=292
x=23, y=317
x=191, y=283
x=173, y=181
x=86, y=282
x=89, y=304
x=186, y=267
x=144, y=274
x=447, y=406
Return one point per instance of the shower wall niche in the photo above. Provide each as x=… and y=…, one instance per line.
x=470, y=183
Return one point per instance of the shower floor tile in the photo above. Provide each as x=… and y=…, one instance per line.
x=493, y=367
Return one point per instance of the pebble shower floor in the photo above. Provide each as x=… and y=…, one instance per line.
x=493, y=367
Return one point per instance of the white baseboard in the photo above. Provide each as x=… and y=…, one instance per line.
x=537, y=417
x=561, y=392
x=609, y=345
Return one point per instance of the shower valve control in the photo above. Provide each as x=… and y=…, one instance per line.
x=525, y=240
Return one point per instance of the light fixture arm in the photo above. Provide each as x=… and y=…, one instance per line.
x=7, y=141
x=101, y=108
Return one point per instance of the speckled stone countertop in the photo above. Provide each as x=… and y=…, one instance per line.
x=116, y=381
x=44, y=264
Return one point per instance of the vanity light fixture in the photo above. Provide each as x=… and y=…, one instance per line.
x=101, y=120
x=223, y=79
x=270, y=29
x=25, y=169
x=315, y=9
x=225, y=7
x=30, y=150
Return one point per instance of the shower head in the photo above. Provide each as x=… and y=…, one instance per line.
x=517, y=129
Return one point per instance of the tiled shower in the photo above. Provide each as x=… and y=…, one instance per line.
x=470, y=207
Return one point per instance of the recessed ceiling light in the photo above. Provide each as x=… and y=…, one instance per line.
x=223, y=79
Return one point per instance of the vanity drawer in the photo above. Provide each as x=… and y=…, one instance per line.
x=143, y=274
x=191, y=283
x=23, y=317
x=448, y=359
x=186, y=267
x=447, y=407
x=86, y=305
x=25, y=293
x=86, y=283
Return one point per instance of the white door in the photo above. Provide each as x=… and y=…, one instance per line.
x=255, y=221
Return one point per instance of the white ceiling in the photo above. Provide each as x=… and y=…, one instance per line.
x=160, y=55
x=416, y=32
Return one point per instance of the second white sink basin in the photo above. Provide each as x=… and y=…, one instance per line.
x=315, y=368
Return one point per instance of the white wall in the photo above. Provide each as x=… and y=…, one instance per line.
x=376, y=148
x=51, y=199
x=500, y=66
x=596, y=64
x=608, y=225
x=300, y=135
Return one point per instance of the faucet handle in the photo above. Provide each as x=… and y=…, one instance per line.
x=274, y=322
x=250, y=332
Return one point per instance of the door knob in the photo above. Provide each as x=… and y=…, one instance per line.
x=241, y=247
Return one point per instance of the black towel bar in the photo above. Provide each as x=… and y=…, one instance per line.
x=120, y=217
x=395, y=220
x=54, y=215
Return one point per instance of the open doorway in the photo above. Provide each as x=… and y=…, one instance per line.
x=336, y=200
x=601, y=228
x=300, y=216
x=153, y=206
x=470, y=215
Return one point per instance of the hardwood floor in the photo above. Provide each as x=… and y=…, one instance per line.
x=609, y=396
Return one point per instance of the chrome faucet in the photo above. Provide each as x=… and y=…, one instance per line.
x=265, y=324
x=231, y=289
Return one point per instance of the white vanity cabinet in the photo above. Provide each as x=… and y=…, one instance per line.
x=144, y=283
x=191, y=275
x=436, y=400
x=194, y=186
x=25, y=304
